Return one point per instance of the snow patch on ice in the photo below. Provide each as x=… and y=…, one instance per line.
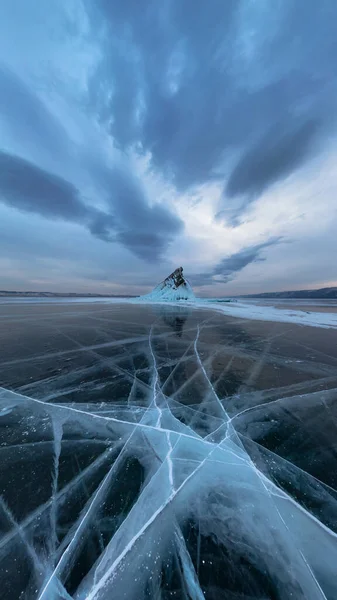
x=270, y=313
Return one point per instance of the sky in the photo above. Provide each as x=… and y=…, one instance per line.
x=136, y=137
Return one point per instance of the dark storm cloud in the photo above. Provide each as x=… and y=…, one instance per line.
x=227, y=268
x=174, y=80
x=145, y=231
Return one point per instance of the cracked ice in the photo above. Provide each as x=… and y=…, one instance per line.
x=165, y=452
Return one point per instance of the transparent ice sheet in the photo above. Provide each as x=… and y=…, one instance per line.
x=164, y=452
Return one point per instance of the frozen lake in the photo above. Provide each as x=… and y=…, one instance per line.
x=159, y=452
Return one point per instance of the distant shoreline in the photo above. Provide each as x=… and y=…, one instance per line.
x=11, y=294
x=329, y=293
x=320, y=294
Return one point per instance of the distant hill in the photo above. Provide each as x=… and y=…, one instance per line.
x=8, y=293
x=323, y=293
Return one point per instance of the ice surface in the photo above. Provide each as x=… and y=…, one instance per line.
x=156, y=452
x=253, y=312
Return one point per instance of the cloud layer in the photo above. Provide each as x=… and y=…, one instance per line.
x=196, y=88
x=168, y=134
x=228, y=268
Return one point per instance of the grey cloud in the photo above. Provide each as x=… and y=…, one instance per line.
x=172, y=81
x=231, y=265
x=201, y=279
x=273, y=158
x=102, y=226
x=144, y=230
x=27, y=117
x=227, y=268
x=178, y=129
x=145, y=245
x=127, y=196
x=25, y=186
x=29, y=188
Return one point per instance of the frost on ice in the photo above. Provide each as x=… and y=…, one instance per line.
x=166, y=488
x=174, y=287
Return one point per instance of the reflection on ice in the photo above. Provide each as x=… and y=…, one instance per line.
x=173, y=316
x=172, y=487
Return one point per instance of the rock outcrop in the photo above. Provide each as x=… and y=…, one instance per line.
x=174, y=287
